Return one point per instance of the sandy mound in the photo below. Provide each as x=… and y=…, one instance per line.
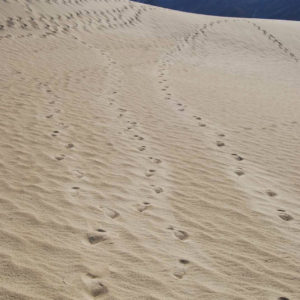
x=147, y=153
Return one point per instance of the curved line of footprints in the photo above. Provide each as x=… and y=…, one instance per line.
x=124, y=16
x=165, y=88
x=92, y=282
x=270, y=36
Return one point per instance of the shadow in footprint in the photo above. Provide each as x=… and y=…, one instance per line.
x=155, y=160
x=111, y=213
x=94, y=286
x=61, y=157
x=69, y=146
x=239, y=172
x=220, y=144
x=95, y=238
x=237, y=157
x=286, y=217
x=150, y=173
x=179, y=273
x=158, y=190
x=184, y=261
x=181, y=235
x=143, y=207
x=271, y=193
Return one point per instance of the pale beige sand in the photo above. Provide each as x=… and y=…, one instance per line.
x=147, y=154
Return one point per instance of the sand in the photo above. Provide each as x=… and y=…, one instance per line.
x=147, y=153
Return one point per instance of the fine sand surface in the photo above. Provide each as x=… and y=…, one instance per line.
x=147, y=153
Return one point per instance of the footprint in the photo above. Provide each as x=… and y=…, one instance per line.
x=150, y=173
x=61, y=157
x=142, y=148
x=111, y=213
x=180, y=234
x=179, y=273
x=138, y=137
x=202, y=125
x=220, y=144
x=239, y=172
x=69, y=146
x=143, y=207
x=237, y=157
x=271, y=193
x=155, y=160
x=283, y=298
x=49, y=116
x=286, y=217
x=78, y=173
x=94, y=286
x=158, y=190
x=95, y=238
x=184, y=261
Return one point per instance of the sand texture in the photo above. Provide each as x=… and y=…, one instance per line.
x=147, y=153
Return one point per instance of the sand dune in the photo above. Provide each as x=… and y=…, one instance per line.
x=147, y=153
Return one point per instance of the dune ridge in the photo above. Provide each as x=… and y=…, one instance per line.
x=147, y=153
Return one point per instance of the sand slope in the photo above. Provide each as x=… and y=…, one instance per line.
x=147, y=153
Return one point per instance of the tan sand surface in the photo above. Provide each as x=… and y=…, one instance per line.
x=147, y=153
